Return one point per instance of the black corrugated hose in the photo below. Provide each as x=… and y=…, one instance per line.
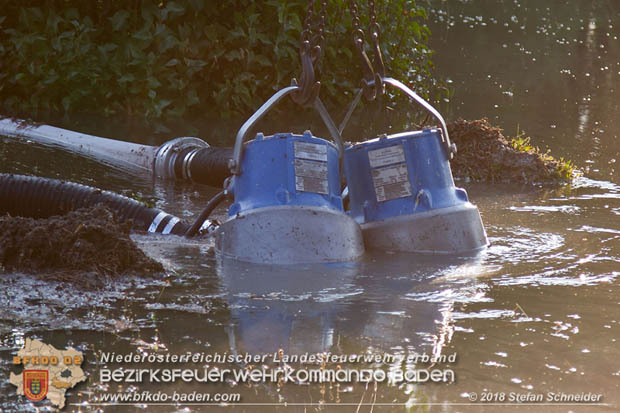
x=36, y=197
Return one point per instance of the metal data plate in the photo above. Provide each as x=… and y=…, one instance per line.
x=386, y=156
x=390, y=182
x=311, y=168
x=313, y=151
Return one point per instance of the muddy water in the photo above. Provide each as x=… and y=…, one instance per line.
x=538, y=312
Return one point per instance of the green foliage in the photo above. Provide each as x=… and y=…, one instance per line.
x=174, y=58
x=567, y=170
x=521, y=144
x=563, y=170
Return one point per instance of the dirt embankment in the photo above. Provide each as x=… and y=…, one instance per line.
x=86, y=247
x=485, y=155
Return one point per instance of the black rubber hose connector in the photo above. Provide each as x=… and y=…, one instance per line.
x=36, y=197
x=208, y=166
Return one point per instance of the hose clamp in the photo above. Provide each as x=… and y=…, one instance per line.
x=167, y=154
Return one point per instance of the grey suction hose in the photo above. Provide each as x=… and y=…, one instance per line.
x=36, y=197
x=185, y=158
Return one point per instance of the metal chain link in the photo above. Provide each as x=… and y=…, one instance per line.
x=358, y=33
x=372, y=14
x=322, y=20
x=307, y=34
x=307, y=27
x=378, y=61
x=371, y=74
x=311, y=43
x=310, y=52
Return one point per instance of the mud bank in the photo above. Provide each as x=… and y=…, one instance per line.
x=86, y=247
x=486, y=155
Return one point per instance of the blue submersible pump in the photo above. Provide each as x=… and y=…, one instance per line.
x=402, y=193
x=287, y=207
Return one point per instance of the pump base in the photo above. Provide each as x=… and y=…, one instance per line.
x=452, y=230
x=290, y=235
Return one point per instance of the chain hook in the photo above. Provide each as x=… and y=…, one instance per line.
x=369, y=73
x=308, y=87
x=378, y=61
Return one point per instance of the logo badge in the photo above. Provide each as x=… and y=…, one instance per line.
x=35, y=384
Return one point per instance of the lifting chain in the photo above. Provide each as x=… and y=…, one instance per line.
x=312, y=43
x=371, y=74
x=316, y=41
x=310, y=52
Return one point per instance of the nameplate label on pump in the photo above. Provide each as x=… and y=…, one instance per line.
x=389, y=173
x=311, y=151
x=386, y=156
x=311, y=167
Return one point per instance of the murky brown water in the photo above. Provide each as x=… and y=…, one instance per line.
x=537, y=312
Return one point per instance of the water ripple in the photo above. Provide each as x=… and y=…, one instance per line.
x=567, y=209
x=486, y=314
x=469, y=294
x=567, y=281
x=524, y=245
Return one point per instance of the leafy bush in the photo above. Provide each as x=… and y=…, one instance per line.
x=172, y=58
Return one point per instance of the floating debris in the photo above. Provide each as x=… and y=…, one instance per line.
x=485, y=155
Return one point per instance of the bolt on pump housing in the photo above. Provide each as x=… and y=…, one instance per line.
x=403, y=195
x=287, y=207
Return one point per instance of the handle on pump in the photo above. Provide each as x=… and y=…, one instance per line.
x=448, y=146
x=235, y=162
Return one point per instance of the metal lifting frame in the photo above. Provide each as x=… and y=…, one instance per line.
x=445, y=138
x=235, y=162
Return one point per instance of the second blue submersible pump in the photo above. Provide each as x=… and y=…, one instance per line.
x=402, y=192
